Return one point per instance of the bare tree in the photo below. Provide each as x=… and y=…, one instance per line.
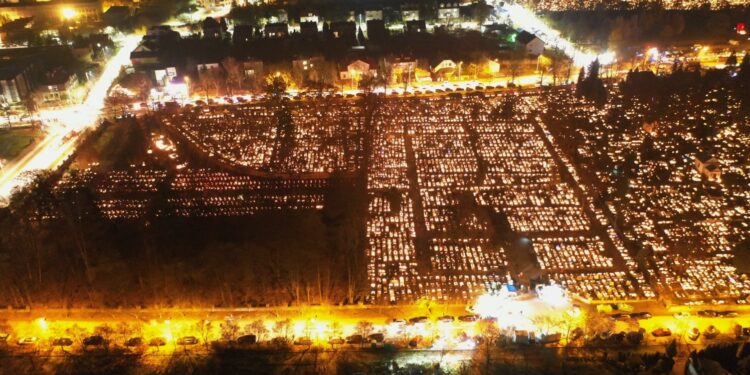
x=364, y=328
x=515, y=63
x=229, y=329
x=204, y=328
x=233, y=69
x=258, y=328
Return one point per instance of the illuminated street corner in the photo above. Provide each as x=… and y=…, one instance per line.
x=469, y=187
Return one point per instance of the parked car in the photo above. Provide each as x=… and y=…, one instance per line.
x=280, y=342
x=413, y=343
x=303, y=341
x=694, y=334
x=620, y=316
x=95, y=340
x=62, y=341
x=376, y=337
x=711, y=332
x=187, y=340
x=247, y=340
x=681, y=315
x=576, y=334
x=398, y=322
x=134, y=341
x=708, y=313
x=642, y=315
x=336, y=341
x=4, y=338
x=618, y=337
x=552, y=338
x=27, y=341
x=419, y=319
x=635, y=337
x=728, y=314
x=446, y=319
x=355, y=339
x=662, y=332
x=157, y=342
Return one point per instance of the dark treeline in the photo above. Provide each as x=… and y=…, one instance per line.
x=464, y=46
x=338, y=10
x=493, y=356
x=80, y=259
x=686, y=81
x=619, y=29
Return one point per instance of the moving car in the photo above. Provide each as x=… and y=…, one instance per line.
x=419, y=319
x=728, y=314
x=642, y=315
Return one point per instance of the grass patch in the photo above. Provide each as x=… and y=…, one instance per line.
x=14, y=141
x=121, y=144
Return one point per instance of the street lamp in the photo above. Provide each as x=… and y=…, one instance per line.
x=187, y=88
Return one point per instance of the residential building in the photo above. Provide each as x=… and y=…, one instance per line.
x=449, y=12
x=116, y=15
x=376, y=30
x=242, y=34
x=15, y=81
x=443, y=70
x=309, y=69
x=344, y=30
x=376, y=14
x=276, y=29
x=357, y=70
x=532, y=44
x=308, y=29
x=252, y=71
x=416, y=26
x=57, y=89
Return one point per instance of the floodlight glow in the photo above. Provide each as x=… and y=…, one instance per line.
x=553, y=295
x=68, y=13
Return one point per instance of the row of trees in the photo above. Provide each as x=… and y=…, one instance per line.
x=619, y=29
